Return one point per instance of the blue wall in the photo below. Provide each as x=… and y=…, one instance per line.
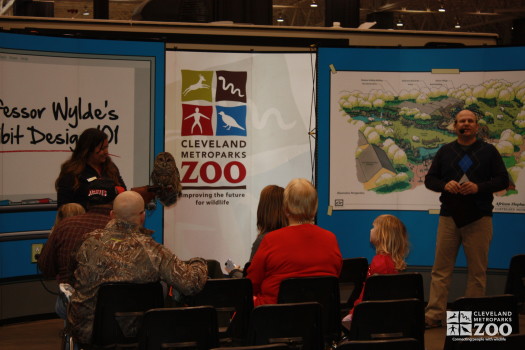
x=353, y=227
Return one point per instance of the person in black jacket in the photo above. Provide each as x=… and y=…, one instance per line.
x=467, y=172
x=90, y=160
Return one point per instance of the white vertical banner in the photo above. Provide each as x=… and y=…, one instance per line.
x=235, y=122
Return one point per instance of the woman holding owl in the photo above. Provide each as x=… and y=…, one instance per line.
x=90, y=160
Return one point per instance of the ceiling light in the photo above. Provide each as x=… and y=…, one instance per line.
x=86, y=11
x=313, y=3
x=399, y=23
x=280, y=19
x=441, y=9
x=457, y=26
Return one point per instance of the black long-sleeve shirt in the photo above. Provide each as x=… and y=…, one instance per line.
x=66, y=193
x=482, y=164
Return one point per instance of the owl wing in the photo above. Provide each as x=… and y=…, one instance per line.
x=158, y=166
x=177, y=182
x=154, y=177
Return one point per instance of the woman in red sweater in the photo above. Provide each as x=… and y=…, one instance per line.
x=301, y=249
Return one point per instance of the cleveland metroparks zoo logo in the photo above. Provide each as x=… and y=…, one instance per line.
x=479, y=323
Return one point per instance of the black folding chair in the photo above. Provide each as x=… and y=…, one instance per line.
x=233, y=300
x=299, y=325
x=275, y=346
x=515, y=283
x=183, y=327
x=119, y=311
x=351, y=279
x=394, y=286
x=389, y=319
x=321, y=289
x=214, y=269
x=384, y=344
x=496, y=303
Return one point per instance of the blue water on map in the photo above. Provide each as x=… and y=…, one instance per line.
x=427, y=153
x=367, y=119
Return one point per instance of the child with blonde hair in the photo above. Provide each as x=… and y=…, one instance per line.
x=390, y=238
x=67, y=210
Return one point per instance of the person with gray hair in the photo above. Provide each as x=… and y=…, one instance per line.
x=300, y=249
x=124, y=251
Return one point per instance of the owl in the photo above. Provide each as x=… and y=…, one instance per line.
x=166, y=179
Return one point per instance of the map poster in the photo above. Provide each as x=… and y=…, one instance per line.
x=386, y=127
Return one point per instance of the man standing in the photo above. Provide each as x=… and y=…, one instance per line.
x=467, y=172
x=124, y=251
x=57, y=258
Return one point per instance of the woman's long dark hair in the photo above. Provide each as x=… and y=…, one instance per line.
x=87, y=143
x=270, y=211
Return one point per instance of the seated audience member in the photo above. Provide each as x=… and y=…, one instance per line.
x=66, y=211
x=124, y=251
x=389, y=237
x=57, y=259
x=270, y=214
x=299, y=250
x=270, y=217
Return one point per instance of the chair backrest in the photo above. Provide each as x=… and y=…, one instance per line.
x=515, y=283
x=275, y=346
x=493, y=303
x=119, y=310
x=214, y=269
x=515, y=342
x=297, y=324
x=384, y=344
x=182, y=327
x=351, y=279
x=389, y=319
x=496, y=303
x=233, y=300
x=396, y=286
x=505, y=303
x=321, y=289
